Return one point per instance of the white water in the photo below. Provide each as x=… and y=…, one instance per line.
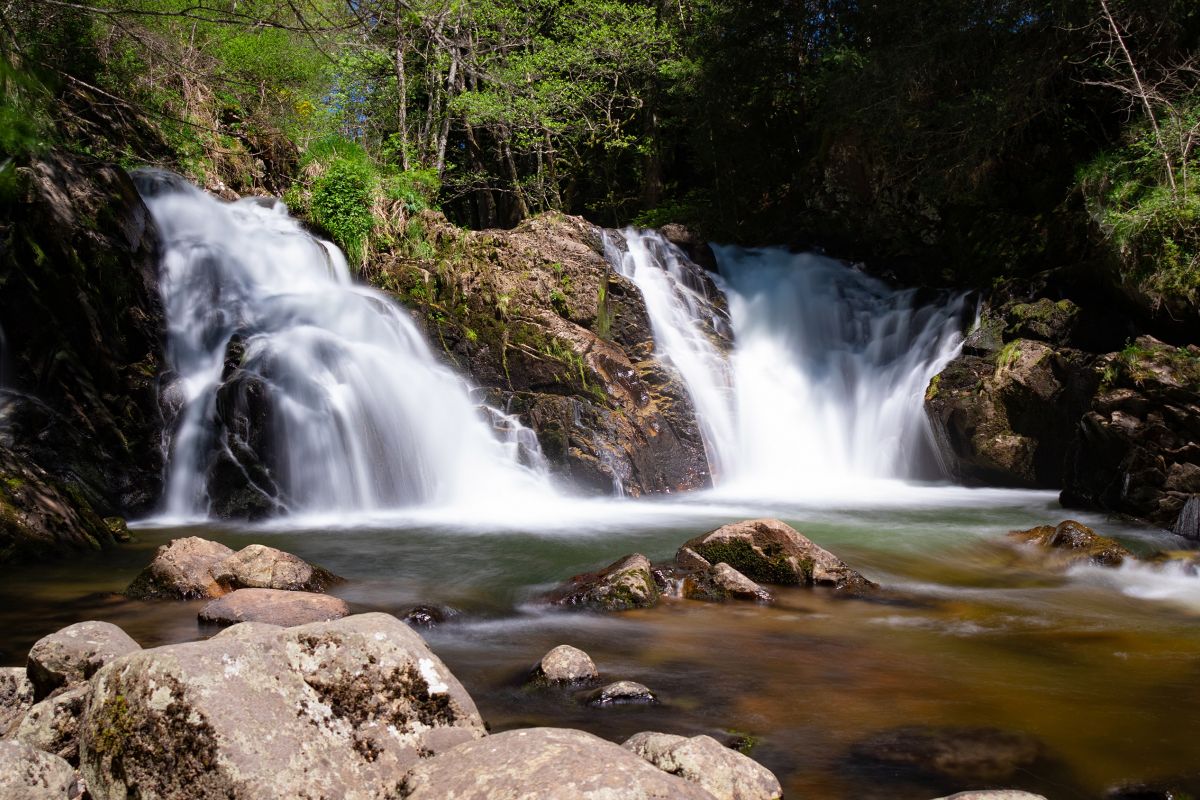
x=369, y=417
x=825, y=385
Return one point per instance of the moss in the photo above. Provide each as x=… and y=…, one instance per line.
x=114, y=726
x=1008, y=355
x=769, y=565
x=932, y=391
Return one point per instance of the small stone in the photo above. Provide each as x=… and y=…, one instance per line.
x=53, y=724
x=273, y=606
x=726, y=774
x=183, y=569
x=16, y=697
x=73, y=654
x=624, y=584
x=566, y=664
x=27, y=773
x=257, y=566
x=543, y=763
x=621, y=693
x=429, y=616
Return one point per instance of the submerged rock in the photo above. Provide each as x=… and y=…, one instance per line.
x=621, y=693
x=182, y=569
x=722, y=582
x=274, y=607
x=331, y=709
x=16, y=697
x=725, y=774
x=624, y=584
x=1076, y=542
x=961, y=754
x=75, y=653
x=771, y=551
x=257, y=566
x=27, y=773
x=565, y=664
x=53, y=724
x=424, y=616
x=546, y=763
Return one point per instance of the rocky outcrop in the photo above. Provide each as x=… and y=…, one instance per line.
x=624, y=584
x=526, y=763
x=1073, y=542
x=194, y=568
x=80, y=427
x=75, y=653
x=724, y=773
x=1135, y=449
x=565, y=664
x=333, y=709
x=27, y=773
x=771, y=551
x=274, y=607
x=538, y=317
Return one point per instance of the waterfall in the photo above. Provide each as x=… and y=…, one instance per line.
x=338, y=375
x=825, y=383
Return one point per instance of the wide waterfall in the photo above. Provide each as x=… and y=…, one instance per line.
x=363, y=415
x=825, y=383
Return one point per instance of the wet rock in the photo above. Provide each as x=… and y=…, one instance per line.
x=1135, y=447
x=53, y=724
x=702, y=760
x=16, y=697
x=274, y=607
x=994, y=794
x=73, y=654
x=1187, y=524
x=543, y=763
x=331, y=709
x=257, y=566
x=621, y=693
x=1076, y=542
x=29, y=774
x=565, y=664
x=689, y=559
x=429, y=616
x=240, y=480
x=771, y=551
x=960, y=754
x=722, y=582
x=182, y=569
x=624, y=584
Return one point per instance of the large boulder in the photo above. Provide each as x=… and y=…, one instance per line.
x=82, y=328
x=27, y=773
x=772, y=551
x=53, y=724
x=544, y=764
x=257, y=566
x=274, y=607
x=184, y=569
x=1073, y=542
x=624, y=584
x=75, y=653
x=1136, y=448
x=16, y=697
x=332, y=709
x=724, y=773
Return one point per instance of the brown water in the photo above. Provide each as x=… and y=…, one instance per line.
x=1107, y=682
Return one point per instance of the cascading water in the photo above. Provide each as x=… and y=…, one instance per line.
x=366, y=417
x=825, y=382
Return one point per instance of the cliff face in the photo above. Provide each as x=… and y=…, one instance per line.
x=539, y=320
x=80, y=429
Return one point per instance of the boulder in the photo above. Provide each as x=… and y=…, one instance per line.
x=27, y=773
x=565, y=664
x=73, y=654
x=722, y=582
x=16, y=697
x=1075, y=542
x=257, y=566
x=986, y=755
x=621, y=693
x=53, y=724
x=544, y=764
x=182, y=569
x=725, y=774
x=332, y=709
x=624, y=584
x=273, y=606
x=771, y=551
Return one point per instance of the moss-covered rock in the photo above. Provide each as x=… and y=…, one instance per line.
x=1073, y=542
x=626, y=583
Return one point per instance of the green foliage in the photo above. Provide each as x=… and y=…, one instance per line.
x=341, y=203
